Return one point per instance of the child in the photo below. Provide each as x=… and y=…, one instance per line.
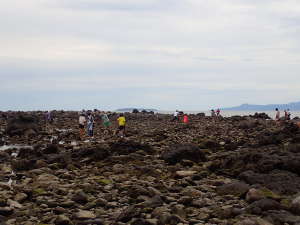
x=122, y=122
x=82, y=122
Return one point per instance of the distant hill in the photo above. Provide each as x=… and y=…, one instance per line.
x=295, y=106
x=130, y=110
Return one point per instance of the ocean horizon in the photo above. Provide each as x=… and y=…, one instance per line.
x=229, y=113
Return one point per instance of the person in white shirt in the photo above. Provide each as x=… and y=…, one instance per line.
x=175, y=116
x=82, y=121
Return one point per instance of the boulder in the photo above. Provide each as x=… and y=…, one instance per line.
x=22, y=123
x=177, y=153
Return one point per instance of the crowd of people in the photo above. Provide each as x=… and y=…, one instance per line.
x=86, y=120
x=287, y=115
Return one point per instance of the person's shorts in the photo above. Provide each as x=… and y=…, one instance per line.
x=106, y=124
x=121, y=127
x=81, y=126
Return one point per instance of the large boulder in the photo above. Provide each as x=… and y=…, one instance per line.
x=22, y=124
x=178, y=152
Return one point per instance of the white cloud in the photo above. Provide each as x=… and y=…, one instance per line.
x=212, y=45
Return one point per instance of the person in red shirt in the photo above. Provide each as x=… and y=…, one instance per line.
x=185, y=119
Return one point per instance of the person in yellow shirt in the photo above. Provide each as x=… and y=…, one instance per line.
x=122, y=122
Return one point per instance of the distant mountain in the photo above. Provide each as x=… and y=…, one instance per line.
x=295, y=106
x=130, y=109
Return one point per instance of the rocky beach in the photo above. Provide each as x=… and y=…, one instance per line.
x=239, y=170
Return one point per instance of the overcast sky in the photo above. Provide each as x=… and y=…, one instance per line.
x=165, y=54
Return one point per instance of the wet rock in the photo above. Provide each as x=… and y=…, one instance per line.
x=176, y=153
x=237, y=189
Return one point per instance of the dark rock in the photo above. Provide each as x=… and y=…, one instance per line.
x=51, y=149
x=6, y=211
x=80, y=197
x=127, y=147
x=154, y=202
x=20, y=124
x=281, y=182
x=129, y=213
x=23, y=164
x=237, y=189
x=140, y=222
x=179, y=152
x=263, y=205
x=277, y=217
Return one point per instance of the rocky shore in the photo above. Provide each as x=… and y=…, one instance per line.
x=227, y=171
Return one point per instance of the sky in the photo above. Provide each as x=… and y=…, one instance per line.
x=163, y=54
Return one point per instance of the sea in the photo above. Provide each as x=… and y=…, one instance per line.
x=229, y=113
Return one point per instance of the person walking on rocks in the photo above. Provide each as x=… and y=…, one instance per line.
x=106, y=121
x=287, y=114
x=213, y=113
x=82, y=121
x=185, y=119
x=49, y=119
x=175, y=116
x=121, y=122
x=218, y=112
x=277, y=115
x=90, y=124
